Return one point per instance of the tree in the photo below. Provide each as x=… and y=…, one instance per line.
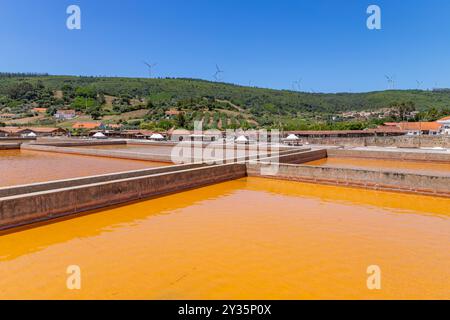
x=180, y=120
x=86, y=92
x=101, y=99
x=95, y=112
x=20, y=90
x=404, y=109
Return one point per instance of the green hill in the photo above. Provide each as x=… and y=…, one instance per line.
x=219, y=105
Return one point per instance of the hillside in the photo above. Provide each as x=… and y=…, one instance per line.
x=165, y=103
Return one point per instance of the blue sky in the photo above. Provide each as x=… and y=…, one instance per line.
x=266, y=43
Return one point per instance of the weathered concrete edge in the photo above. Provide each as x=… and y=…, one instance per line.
x=100, y=153
x=9, y=146
x=436, y=185
x=390, y=155
x=41, y=206
x=133, y=155
x=66, y=183
x=81, y=143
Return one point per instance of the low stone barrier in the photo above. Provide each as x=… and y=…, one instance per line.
x=159, y=157
x=9, y=146
x=303, y=157
x=82, y=143
x=66, y=183
x=390, y=155
x=40, y=206
x=16, y=139
x=372, y=179
x=100, y=153
x=398, y=141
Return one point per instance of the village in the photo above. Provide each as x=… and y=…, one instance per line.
x=99, y=130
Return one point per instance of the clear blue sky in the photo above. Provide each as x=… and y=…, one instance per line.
x=265, y=42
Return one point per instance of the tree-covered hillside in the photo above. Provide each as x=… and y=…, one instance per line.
x=219, y=105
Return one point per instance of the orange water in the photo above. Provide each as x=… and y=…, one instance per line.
x=134, y=148
x=407, y=166
x=24, y=166
x=249, y=238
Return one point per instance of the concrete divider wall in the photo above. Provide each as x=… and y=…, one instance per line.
x=9, y=146
x=66, y=183
x=303, y=157
x=383, y=180
x=390, y=155
x=101, y=153
x=252, y=146
x=82, y=143
x=398, y=141
x=40, y=206
x=16, y=139
x=131, y=155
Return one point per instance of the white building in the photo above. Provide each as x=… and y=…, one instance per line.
x=65, y=114
x=445, y=122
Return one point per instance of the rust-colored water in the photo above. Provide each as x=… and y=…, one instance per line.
x=249, y=238
x=377, y=164
x=23, y=166
x=127, y=148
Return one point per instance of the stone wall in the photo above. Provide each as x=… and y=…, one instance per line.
x=9, y=146
x=40, y=206
x=100, y=153
x=398, y=141
x=373, y=179
x=303, y=157
x=80, y=143
x=391, y=155
x=67, y=183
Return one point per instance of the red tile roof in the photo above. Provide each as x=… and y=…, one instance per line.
x=13, y=130
x=419, y=126
x=39, y=109
x=86, y=125
x=445, y=119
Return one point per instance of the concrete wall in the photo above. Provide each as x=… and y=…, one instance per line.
x=15, y=139
x=400, y=141
x=391, y=155
x=303, y=157
x=100, y=153
x=382, y=180
x=160, y=157
x=41, y=206
x=9, y=146
x=66, y=183
x=81, y=143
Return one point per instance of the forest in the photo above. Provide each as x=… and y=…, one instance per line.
x=170, y=102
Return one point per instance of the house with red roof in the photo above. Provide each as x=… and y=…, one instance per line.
x=445, y=125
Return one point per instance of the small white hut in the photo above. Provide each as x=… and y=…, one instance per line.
x=292, y=139
x=99, y=135
x=241, y=139
x=157, y=137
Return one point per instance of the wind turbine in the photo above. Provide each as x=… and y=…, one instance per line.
x=150, y=67
x=297, y=84
x=217, y=73
x=390, y=80
x=419, y=84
